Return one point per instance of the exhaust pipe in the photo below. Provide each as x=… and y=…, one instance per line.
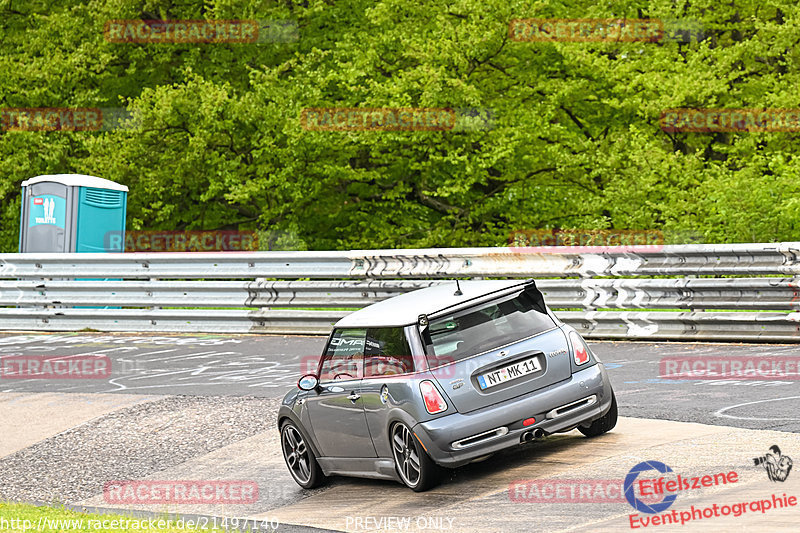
x=532, y=435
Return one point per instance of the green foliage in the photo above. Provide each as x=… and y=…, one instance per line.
x=217, y=143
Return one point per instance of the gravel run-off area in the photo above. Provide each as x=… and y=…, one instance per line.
x=131, y=444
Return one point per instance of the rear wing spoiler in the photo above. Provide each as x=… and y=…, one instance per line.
x=528, y=286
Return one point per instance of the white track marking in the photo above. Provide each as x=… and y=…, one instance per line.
x=721, y=413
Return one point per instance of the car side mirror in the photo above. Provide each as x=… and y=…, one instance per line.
x=308, y=382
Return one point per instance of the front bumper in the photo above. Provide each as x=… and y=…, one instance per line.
x=438, y=435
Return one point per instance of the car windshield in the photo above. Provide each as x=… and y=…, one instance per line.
x=475, y=330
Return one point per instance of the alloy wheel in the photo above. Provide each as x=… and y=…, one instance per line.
x=296, y=453
x=405, y=455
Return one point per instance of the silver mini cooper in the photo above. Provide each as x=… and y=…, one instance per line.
x=441, y=377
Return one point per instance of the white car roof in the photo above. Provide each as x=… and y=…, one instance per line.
x=403, y=310
x=80, y=180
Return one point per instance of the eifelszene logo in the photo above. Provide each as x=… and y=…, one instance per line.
x=668, y=487
x=636, y=503
x=777, y=465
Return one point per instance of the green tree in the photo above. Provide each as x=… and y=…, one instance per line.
x=573, y=142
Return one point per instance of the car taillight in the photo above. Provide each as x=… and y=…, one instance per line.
x=579, y=350
x=434, y=403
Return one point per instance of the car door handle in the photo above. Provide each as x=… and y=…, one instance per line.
x=353, y=396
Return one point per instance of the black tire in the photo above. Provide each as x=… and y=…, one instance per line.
x=604, y=423
x=299, y=457
x=415, y=468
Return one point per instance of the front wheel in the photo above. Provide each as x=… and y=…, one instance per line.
x=604, y=423
x=300, y=458
x=416, y=469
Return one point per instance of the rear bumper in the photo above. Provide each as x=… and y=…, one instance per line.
x=438, y=435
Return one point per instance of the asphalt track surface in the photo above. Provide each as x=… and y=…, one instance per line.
x=203, y=408
x=268, y=366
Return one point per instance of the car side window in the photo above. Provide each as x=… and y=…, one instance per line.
x=344, y=356
x=386, y=353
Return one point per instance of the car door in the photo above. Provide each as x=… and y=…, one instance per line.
x=389, y=382
x=335, y=409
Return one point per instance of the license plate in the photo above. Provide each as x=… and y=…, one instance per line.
x=507, y=373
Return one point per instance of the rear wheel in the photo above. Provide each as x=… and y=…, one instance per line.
x=604, y=423
x=300, y=458
x=416, y=469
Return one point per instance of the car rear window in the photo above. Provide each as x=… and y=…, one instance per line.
x=478, y=329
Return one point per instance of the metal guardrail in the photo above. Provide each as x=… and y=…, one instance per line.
x=219, y=265
x=670, y=260
x=296, y=322
x=589, y=294
x=687, y=326
x=184, y=291
x=255, y=294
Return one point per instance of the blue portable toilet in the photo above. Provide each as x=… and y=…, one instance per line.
x=72, y=213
